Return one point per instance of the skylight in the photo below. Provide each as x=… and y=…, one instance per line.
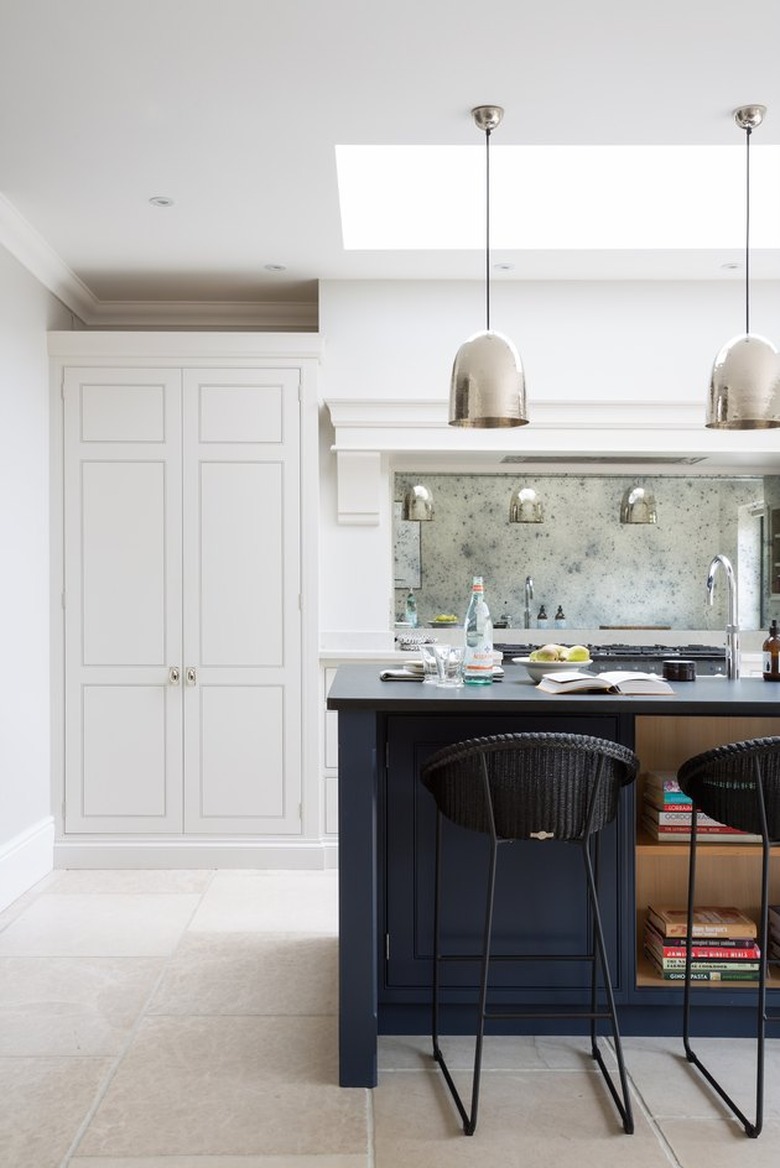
x=428, y=198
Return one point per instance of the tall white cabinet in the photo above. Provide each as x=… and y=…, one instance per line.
x=188, y=606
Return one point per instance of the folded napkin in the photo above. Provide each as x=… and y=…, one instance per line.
x=399, y=675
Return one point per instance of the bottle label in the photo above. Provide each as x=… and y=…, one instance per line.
x=771, y=665
x=478, y=664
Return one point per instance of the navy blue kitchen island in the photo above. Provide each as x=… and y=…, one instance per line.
x=386, y=847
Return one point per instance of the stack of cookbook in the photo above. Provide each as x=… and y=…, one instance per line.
x=724, y=946
x=667, y=815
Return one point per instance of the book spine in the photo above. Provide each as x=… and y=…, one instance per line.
x=653, y=937
x=707, y=975
x=705, y=952
x=710, y=929
x=682, y=831
x=679, y=963
x=664, y=799
x=712, y=828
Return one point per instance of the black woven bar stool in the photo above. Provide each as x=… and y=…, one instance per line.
x=738, y=785
x=530, y=787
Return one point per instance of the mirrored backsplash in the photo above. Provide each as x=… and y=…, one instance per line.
x=601, y=572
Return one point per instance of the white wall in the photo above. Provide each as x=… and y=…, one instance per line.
x=580, y=342
x=26, y=829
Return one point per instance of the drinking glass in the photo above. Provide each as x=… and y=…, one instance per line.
x=430, y=672
x=449, y=666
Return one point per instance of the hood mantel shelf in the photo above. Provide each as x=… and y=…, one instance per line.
x=373, y=437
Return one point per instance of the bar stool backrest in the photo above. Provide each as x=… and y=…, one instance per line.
x=530, y=785
x=727, y=783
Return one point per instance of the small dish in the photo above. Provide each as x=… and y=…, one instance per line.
x=537, y=669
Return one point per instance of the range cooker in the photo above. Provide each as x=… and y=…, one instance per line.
x=709, y=659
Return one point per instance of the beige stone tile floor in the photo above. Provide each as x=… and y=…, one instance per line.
x=188, y=1020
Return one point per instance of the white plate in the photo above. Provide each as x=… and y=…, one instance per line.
x=537, y=669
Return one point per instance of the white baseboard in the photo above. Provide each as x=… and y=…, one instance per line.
x=26, y=859
x=214, y=853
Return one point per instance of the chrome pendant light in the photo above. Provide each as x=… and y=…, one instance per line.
x=417, y=504
x=487, y=388
x=745, y=383
x=638, y=505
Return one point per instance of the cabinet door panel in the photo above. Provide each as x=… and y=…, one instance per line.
x=123, y=617
x=124, y=563
x=241, y=551
x=242, y=752
x=241, y=619
x=125, y=757
x=541, y=903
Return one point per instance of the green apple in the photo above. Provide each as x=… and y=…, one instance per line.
x=577, y=653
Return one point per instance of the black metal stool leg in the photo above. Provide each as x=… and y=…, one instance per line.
x=469, y=1119
x=622, y=1099
x=752, y=1129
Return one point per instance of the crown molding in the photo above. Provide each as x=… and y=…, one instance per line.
x=32, y=251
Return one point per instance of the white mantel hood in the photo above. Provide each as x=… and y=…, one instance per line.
x=374, y=436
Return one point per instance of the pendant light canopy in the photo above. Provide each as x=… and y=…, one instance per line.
x=638, y=505
x=417, y=504
x=487, y=388
x=744, y=389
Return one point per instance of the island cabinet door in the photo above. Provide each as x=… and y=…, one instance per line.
x=541, y=900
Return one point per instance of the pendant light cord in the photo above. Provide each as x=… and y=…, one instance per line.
x=747, y=229
x=487, y=230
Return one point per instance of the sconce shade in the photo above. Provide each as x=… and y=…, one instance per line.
x=525, y=506
x=417, y=504
x=638, y=506
x=487, y=389
x=744, y=389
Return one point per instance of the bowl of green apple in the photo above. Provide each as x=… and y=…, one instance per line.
x=554, y=659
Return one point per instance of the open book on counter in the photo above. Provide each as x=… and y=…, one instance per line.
x=617, y=681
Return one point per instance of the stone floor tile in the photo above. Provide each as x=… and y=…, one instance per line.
x=224, y=1086
x=282, y=902
x=72, y=1005
x=110, y=925
x=250, y=973
x=44, y=1103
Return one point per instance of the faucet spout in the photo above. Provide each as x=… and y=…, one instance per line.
x=732, y=627
x=529, y=595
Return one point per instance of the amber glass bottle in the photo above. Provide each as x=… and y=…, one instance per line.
x=771, y=648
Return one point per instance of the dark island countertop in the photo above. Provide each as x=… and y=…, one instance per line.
x=358, y=687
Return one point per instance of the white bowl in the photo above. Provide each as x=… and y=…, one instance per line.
x=537, y=669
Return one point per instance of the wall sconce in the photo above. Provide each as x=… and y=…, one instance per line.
x=638, y=506
x=525, y=506
x=417, y=504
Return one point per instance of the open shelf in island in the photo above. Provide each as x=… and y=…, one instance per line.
x=726, y=873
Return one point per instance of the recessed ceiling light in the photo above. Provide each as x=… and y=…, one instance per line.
x=275, y=267
x=731, y=266
x=161, y=201
x=503, y=266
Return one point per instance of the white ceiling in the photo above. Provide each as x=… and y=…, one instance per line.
x=233, y=108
